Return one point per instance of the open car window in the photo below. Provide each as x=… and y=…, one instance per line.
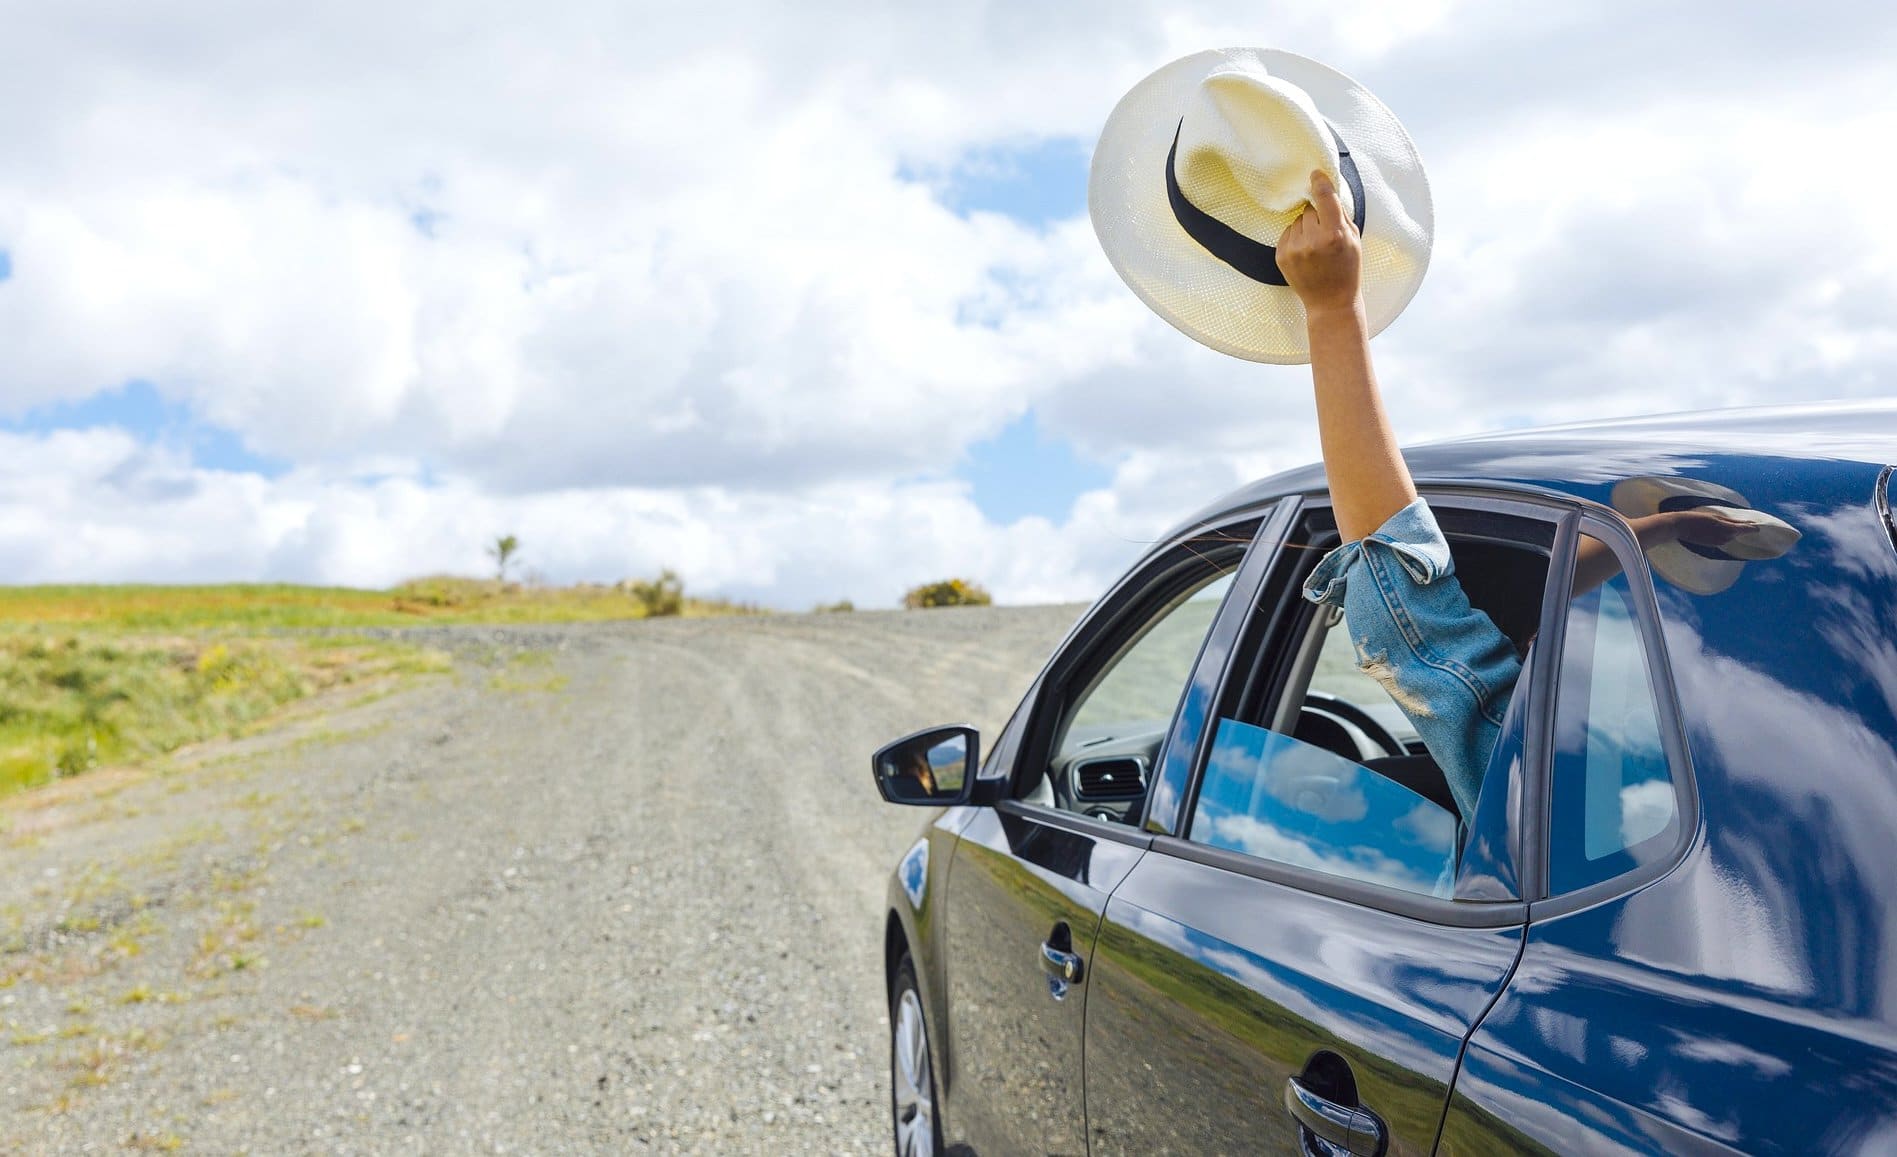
x=1315, y=765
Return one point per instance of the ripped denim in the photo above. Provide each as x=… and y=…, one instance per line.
x=1443, y=662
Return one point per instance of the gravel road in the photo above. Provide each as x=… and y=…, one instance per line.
x=605, y=889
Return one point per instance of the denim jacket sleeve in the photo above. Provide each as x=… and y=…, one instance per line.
x=1444, y=663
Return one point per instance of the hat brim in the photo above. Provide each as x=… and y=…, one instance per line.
x=1641, y=497
x=1199, y=294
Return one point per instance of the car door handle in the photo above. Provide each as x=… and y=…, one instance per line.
x=1354, y=1130
x=1063, y=966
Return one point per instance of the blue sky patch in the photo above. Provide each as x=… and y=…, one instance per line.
x=140, y=410
x=427, y=221
x=6, y=265
x=1036, y=183
x=1022, y=472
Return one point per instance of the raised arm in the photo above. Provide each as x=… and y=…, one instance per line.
x=1321, y=257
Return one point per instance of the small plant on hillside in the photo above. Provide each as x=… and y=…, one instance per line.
x=658, y=597
x=504, y=551
x=947, y=593
x=840, y=607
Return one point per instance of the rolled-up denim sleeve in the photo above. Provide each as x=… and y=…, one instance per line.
x=1443, y=662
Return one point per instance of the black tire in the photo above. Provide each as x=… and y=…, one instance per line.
x=915, y=1125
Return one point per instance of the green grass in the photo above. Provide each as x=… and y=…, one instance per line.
x=242, y=608
x=72, y=702
x=97, y=675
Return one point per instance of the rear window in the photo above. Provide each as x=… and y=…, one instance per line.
x=1615, y=805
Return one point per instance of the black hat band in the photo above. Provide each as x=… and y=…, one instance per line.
x=1694, y=502
x=1254, y=259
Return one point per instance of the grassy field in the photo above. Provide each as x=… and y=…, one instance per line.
x=253, y=607
x=70, y=702
x=97, y=675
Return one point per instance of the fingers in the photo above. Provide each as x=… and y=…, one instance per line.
x=1295, y=236
x=1710, y=528
x=1318, y=254
x=1324, y=199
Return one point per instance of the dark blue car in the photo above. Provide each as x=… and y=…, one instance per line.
x=1206, y=891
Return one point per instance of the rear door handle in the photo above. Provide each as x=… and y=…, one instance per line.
x=1064, y=969
x=1354, y=1130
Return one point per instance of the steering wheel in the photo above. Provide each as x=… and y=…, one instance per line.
x=1359, y=718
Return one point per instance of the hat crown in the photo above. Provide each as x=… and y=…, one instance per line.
x=1248, y=143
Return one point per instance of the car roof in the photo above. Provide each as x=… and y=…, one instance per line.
x=1584, y=457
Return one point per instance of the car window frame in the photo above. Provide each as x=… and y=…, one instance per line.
x=1527, y=798
x=1109, y=623
x=1607, y=526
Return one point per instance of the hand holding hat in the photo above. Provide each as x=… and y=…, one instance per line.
x=1321, y=255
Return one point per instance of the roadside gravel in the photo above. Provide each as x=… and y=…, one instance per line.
x=606, y=889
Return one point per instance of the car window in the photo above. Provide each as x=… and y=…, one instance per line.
x=1142, y=686
x=1321, y=769
x=1341, y=692
x=1279, y=798
x=1614, y=803
x=1121, y=700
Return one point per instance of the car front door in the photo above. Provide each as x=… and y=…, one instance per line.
x=1032, y=873
x=1297, y=960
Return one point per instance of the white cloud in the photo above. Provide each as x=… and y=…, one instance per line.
x=651, y=280
x=99, y=505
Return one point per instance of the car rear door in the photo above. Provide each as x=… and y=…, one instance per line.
x=1285, y=971
x=1707, y=968
x=1032, y=873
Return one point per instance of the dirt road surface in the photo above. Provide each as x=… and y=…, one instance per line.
x=606, y=889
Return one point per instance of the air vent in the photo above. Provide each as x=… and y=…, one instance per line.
x=1113, y=778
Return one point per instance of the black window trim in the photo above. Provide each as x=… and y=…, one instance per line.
x=1558, y=509
x=1880, y=498
x=1607, y=526
x=1415, y=905
x=1079, y=822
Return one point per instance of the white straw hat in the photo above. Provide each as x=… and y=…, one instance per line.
x=1203, y=166
x=1704, y=570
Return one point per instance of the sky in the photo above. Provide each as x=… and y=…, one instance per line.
x=802, y=301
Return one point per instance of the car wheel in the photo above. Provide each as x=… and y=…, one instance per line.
x=911, y=1075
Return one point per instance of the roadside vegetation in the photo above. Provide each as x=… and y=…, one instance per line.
x=92, y=676
x=262, y=607
x=953, y=592
x=70, y=702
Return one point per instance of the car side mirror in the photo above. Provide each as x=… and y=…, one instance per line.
x=932, y=768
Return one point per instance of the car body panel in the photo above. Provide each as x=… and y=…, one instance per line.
x=914, y=924
x=1585, y=1054
x=1199, y=1016
x=1013, y=1082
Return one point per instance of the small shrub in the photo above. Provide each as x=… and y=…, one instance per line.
x=840, y=607
x=76, y=756
x=445, y=592
x=657, y=597
x=947, y=593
